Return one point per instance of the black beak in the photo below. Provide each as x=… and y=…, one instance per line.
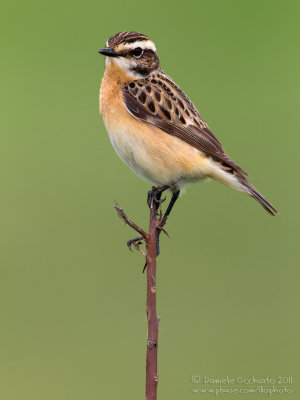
x=109, y=52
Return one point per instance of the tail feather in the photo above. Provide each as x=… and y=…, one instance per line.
x=234, y=178
x=259, y=197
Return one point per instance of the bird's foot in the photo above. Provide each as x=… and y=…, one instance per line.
x=136, y=242
x=155, y=195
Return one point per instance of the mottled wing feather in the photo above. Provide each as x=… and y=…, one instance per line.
x=159, y=101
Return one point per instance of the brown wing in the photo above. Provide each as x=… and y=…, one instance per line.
x=159, y=101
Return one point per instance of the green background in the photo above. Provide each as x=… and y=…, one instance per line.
x=72, y=318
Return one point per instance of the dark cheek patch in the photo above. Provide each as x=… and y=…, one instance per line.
x=146, y=63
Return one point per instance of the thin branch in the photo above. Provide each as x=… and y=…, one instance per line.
x=153, y=322
x=128, y=221
x=156, y=225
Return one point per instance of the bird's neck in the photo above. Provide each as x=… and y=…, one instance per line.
x=115, y=75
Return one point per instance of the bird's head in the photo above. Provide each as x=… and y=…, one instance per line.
x=133, y=52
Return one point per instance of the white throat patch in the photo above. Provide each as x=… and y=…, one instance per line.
x=125, y=64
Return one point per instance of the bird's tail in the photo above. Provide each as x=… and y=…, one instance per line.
x=253, y=192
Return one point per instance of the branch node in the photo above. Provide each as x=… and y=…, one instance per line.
x=151, y=344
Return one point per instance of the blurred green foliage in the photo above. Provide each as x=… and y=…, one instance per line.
x=73, y=320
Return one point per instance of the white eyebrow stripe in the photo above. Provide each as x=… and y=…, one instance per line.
x=145, y=44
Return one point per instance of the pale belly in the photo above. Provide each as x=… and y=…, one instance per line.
x=156, y=156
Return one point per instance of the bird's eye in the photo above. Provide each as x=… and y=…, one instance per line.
x=137, y=52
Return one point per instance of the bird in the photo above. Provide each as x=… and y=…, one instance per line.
x=156, y=129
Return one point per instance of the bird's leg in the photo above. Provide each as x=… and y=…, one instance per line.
x=163, y=221
x=155, y=196
x=175, y=196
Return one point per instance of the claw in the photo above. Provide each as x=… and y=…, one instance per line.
x=161, y=200
x=136, y=242
x=129, y=243
x=145, y=266
x=155, y=194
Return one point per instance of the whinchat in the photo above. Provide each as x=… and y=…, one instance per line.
x=155, y=128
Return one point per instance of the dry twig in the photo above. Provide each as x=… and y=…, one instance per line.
x=156, y=224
